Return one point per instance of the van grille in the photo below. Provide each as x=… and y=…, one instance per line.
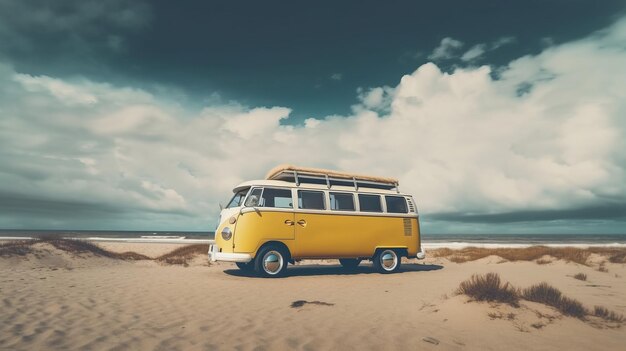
x=411, y=205
x=408, y=227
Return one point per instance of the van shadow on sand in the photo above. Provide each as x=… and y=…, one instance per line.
x=321, y=270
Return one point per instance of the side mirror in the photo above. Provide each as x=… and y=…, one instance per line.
x=251, y=205
x=252, y=201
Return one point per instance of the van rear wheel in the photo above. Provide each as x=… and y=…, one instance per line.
x=387, y=261
x=271, y=262
x=350, y=263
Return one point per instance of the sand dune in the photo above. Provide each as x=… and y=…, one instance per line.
x=52, y=299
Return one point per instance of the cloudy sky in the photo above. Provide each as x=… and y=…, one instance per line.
x=499, y=116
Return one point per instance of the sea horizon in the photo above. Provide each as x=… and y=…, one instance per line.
x=473, y=238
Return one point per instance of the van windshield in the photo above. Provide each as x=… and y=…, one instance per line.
x=237, y=198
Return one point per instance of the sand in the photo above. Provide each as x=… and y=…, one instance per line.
x=58, y=302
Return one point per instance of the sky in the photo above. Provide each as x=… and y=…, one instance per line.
x=498, y=116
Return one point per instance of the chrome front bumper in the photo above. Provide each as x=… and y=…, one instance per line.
x=422, y=254
x=216, y=255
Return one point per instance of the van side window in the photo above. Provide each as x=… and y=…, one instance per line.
x=254, y=199
x=311, y=200
x=280, y=198
x=396, y=204
x=370, y=203
x=341, y=202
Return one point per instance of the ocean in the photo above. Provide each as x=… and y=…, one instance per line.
x=429, y=240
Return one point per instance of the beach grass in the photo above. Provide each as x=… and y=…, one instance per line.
x=546, y=294
x=179, y=256
x=533, y=253
x=490, y=288
x=15, y=248
x=182, y=255
x=605, y=314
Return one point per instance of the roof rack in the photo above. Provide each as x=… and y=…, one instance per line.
x=329, y=178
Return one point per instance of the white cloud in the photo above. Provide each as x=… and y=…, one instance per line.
x=376, y=99
x=64, y=92
x=447, y=49
x=460, y=142
x=478, y=50
x=501, y=42
x=336, y=76
x=474, y=52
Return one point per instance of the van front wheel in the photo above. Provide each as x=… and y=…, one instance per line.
x=387, y=261
x=270, y=262
x=349, y=263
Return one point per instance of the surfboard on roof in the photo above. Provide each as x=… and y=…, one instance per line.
x=279, y=171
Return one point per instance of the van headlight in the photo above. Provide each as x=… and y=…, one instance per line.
x=226, y=233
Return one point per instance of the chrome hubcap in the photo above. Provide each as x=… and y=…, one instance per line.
x=272, y=262
x=389, y=260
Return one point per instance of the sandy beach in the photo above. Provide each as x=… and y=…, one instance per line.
x=55, y=299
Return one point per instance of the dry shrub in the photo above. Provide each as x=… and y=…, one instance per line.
x=580, y=276
x=533, y=253
x=76, y=246
x=543, y=261
x=602, y=267
x=605, y=314
x=132, y=256
x=73, y=246
x=551, y=296
x=15, y=248
x=618, y=257
x=490, y=288
x=571, y=307
x=457, y=259
x=542, y=293
x=183, y=254
x=614, y=255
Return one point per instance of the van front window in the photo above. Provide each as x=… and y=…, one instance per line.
x=236, y=200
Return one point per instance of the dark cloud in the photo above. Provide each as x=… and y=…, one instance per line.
x=34, y=26
x=609, y=211
x=23, y=204
x=272, y=53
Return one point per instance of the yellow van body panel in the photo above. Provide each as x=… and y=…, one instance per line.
x=255, y=228
x=343, y=236
x=321, y=235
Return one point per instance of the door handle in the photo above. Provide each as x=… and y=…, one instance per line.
x=302, y=222
x=288, y=222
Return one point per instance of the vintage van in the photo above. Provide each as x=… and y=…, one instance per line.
x=305, y=213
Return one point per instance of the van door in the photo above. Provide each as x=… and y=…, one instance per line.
x=267, y=215
x=319, y=233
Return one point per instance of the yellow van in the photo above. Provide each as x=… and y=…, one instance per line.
x=306, y=213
